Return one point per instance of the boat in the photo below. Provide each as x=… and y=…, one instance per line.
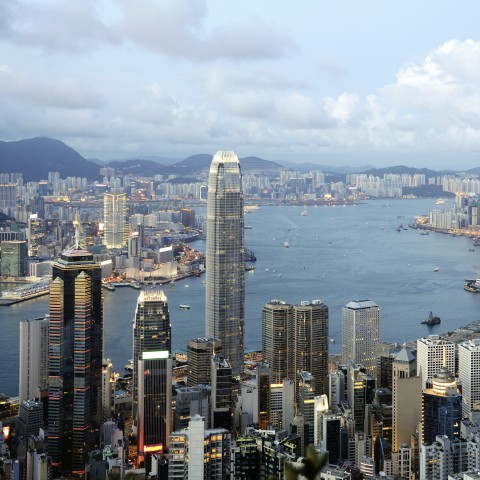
x=129, y=365
x=185, y=307
x=332, y=340
x=286, y=244
x=436, y=269
x=304, y=213
x=25, y=291
x=471, y=249
x=470, y=287
x=266, y=269
x=249, y=268
x=398, y=229
x=110, y=287
x=249, y=255
x=423, y=233
x=431, y=320
x=440, y=202
x=186, y=286
x=247, y=227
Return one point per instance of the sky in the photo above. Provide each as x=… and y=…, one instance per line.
x=338, y=82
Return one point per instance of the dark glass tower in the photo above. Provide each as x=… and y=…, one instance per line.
x=225, y=265
x=152, y=332
x=75, y=360
x=441, y=408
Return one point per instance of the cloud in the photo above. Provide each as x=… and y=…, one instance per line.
x=55, y=25
x=177, y=28
x=44, y=92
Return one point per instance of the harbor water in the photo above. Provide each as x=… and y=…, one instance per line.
x=335, y=254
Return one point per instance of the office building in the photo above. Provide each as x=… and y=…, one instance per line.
x=13, y=260
x=221, y=377
x=407, y=398
x=33, y=371
x=469, y=375
x=108, y=389
x=225, y=265
x=114, y=232
x=191, y=401
x=154, y=404
x=361, y=334
x=30, y=419
x=151, y=332
x=199, y=353
x=360, y=392
x=310, y=340
x=277, y=347
x=433, y=354
x=441, y=408
x=75, y=360
x=198, y=453
x=306, y=396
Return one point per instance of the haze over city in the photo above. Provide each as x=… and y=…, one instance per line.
x=341, y=83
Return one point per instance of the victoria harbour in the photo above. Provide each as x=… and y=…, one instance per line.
x=335, y=254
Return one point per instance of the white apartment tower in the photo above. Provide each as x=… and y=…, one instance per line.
x=114, y=219
x=469, y=375
x=225, y=263
x=33, y=357
x=433, y=353
x=361, y=334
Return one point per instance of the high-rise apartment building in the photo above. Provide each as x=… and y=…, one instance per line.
x=75, y=360
x=225, y=264
x=33, y=371
x=114, y=233
x=277, y=334
x=152, y=332
x=361, y=334
x=12, y=262
x=433, y=354
x=469, y=375
x=310, y=340
x=154, y=403
x=200, y=352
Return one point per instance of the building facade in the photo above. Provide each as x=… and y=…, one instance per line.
x=433, y=354
x=13, y=260
x=75, y=360
x=469, y=375
x=361, y=334
x=225, y=264
x=114, y=232
x=199, y=353
x=152, y=332
x=33, y=372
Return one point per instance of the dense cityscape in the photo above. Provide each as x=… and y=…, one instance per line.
x=216, y=410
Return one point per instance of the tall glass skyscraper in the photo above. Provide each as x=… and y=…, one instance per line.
x=225, y=264
x=75, y=361
x=152, y=332
x=114, y=219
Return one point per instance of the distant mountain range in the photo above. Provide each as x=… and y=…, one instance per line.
x=35, y=157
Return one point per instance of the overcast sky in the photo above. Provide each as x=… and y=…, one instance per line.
x=338, y=82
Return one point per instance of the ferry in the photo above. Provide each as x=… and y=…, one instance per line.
x=436, y=269
x=129, y=366
x=185, y=307
x=440, y=202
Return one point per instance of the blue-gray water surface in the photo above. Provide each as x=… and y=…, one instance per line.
x=335, y=254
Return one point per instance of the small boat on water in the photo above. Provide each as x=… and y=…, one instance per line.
x=129, y=365
x=304, y=213
x=431, y=320
x=436, y=269
x=185, y=307
x=286, y=244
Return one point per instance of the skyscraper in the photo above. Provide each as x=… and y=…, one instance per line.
x=152, y=332
x=14, y=254
x=310, y=340
x=75, y=360
x=433, y=354
x=468, y=369
x=225, y=289
x=154, y=403
x=277, y=345
x=361, y=334
x=114, y=219
x=33, y=370
x=441, y=408
x=199, y=353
